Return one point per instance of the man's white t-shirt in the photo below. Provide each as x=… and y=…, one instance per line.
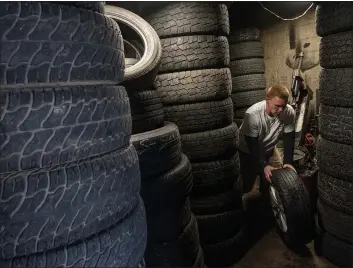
x=257, y=123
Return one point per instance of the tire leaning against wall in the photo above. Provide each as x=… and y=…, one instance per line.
x=75, y=46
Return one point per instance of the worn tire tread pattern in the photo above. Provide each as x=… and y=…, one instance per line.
x=332, y=158
x=334, y=17
x=51, y=126
x=336, y=87
x=336, y=222
x=336, y=50
x=46, y=44
x=194, y=52
x=215, y=176
x=197, y=117
x=211, y=145
x=47, y=208
x=194, y=86
x=146, y=110
x=246, y=50
x=120, y=245
x=190, y=18
x=247, y=66
x=247, y=98
x=244, y=35
x=336, y=193
x=248, y=82
x=336, y=124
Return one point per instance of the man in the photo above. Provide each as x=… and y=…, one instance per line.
x=263, y=123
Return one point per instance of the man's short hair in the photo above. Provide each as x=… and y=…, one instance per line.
x=278, y=91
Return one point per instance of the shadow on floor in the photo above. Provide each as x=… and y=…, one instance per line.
x=265, y=248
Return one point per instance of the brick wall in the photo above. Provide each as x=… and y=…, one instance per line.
x=276, y=42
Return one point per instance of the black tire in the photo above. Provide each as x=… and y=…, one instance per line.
x=218, y=203
x=63, y=204
x=333, y=159
x=181, y=252
x=194, y=52
x=336, y=50
x=225, y=253
x=52, y=126
x=336, y=193
x=336, y=87
x=334, y=17
x=215, y=177
x=190, y=18
x=159, y=150
x=239, y=113
x=96, y=6
x=219, y=227
x=146, y=110
x=336, y=251
x=197, y=117
x=247, y=66
x=248, y=82
x=121, y=245
x=246, y=50
x=211, y=145
x=244, y=35
x=145, y=70
x=194, y=86
x=297, y=207
x=169, y=190
x=248, y=98
x=168, y=225
x=336, y=222
x=49, y=53
x=335, y=124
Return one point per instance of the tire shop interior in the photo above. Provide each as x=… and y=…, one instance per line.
x=119, y=134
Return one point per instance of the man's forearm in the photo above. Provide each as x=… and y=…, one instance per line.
x=288, y=144
x=257, y=156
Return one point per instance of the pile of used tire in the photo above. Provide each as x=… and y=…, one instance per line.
x=248, y=70
x=69, y=176
x=166, y=176
x=334, y=23
x=195, y=87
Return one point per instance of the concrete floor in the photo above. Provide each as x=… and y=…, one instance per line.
x=267, y=249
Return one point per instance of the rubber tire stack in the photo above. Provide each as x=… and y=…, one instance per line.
x=69, y=176
x=334, y=23
x=195, y=86
x=247, y=67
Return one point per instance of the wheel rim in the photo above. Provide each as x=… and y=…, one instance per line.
x=278, y=209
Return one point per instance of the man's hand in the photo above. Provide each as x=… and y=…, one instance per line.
x=268, y=172
x=289, y=166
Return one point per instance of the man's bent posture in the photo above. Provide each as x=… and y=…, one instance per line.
x=263, y=123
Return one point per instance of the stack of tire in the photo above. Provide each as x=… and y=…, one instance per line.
x=247, y=67
x=334, y=23
x=69, y=176
x=166, y=176
x=195, y=87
